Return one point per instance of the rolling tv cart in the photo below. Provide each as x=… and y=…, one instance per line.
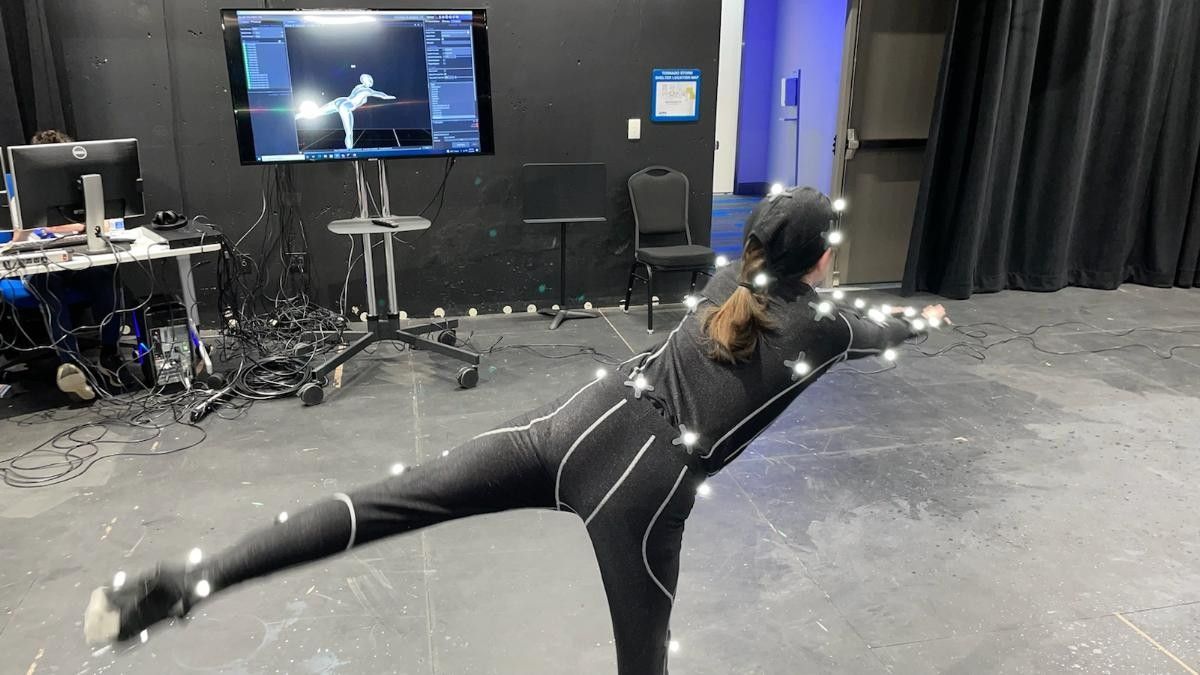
x=388, y=328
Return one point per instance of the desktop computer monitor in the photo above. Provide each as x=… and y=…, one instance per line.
x=328, y=85
x=47, y=181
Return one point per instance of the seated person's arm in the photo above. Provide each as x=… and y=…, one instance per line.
x=63, y=230
x=59, y=230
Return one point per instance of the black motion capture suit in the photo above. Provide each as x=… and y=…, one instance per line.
x=625, y=452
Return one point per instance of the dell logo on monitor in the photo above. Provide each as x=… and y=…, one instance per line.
x=79, y=152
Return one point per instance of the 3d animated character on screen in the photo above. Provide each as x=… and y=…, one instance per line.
x=345, y=106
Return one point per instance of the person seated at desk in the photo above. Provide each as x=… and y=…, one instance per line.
x=56, y=292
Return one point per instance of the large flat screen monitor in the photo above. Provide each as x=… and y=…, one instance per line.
x=320, y=85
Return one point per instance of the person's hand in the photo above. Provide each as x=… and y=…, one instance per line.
x=935, y=314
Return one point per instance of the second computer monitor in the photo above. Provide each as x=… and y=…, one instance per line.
x=47, y=187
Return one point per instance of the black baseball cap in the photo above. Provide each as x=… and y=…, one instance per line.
x=792, y=228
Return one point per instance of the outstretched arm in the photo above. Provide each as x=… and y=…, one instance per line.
x=380, y=94
x=873, y=332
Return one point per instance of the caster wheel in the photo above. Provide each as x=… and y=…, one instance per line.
x=312, y=394
x=448, y=337
x=468, y=377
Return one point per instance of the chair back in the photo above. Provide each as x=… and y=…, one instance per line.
x=659, y=195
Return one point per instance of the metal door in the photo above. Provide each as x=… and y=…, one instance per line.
x=892, y=55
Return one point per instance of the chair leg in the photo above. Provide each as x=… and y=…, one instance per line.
x=629, y=287
x=694, y=275
x=649, y=299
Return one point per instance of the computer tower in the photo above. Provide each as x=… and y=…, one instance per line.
x=166, y=348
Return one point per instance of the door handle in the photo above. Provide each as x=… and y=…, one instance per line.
x=851, y=143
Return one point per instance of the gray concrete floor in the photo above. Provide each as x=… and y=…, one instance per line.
x=1024, y=514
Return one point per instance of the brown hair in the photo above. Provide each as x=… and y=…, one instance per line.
x=50, y=136
x=733, y=328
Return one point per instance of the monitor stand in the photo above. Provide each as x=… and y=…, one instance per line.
x=93, y=209
x=388, y=328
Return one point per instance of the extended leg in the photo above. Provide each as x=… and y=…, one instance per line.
x=313, y=111
x=491, y=473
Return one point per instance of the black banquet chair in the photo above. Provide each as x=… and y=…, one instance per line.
x=662, y=236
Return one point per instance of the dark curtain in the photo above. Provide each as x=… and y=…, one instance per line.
x=1064, y=149
x=30, y=92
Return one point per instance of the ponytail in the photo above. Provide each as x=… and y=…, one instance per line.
x=733, y=328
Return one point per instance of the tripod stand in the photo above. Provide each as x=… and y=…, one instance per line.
x=388, y=328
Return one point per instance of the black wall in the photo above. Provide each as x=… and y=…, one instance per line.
x=566, y=75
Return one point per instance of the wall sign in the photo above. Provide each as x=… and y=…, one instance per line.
x=675, y=95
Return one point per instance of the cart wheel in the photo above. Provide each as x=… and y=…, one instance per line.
x=448, y=337
x=312, y=394
x=468, y=377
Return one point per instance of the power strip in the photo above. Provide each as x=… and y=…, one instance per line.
x=20, y=260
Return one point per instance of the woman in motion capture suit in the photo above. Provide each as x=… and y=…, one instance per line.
x=345, y=106
x=626, y=452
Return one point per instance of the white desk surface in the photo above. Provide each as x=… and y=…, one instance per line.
x=140, y=250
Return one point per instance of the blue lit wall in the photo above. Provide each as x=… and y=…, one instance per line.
x=759, y=97
x=782, y=36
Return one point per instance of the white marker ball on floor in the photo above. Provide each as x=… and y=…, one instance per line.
x=403, y=315
x=281, y=518
x=507, y=309
x=397, y=469
x=118, y=581
x=362, y=317
x=472, y=312
x=203, y=588
x=439, y=312
x=554, y=307
x=194, y=556
x=532, y=309
x=673, y=645
x=587, y=305
x=704, y=490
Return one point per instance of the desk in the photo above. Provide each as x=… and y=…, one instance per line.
x=141, y=249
